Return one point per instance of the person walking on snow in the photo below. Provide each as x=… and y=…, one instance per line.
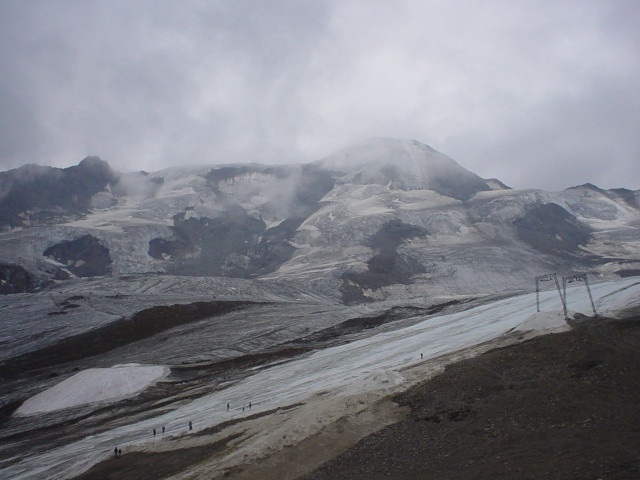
x=190, y=425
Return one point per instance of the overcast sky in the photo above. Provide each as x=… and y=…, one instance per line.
x=542, y=94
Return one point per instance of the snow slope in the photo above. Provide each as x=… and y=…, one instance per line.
x=404, y=165
x=316, y=225
x=371, y=364
x=94, y=385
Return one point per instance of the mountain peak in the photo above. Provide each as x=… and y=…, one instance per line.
x=404, y=165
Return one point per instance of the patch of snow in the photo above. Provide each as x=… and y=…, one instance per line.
x=377, y=379
x=369, y=206
x=626, y=297
x=94, y=385
x=424, y=200
x=495, y=194
x=496, y=184
x=544, y=322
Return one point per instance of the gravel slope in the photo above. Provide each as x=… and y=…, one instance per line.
x=559, y=406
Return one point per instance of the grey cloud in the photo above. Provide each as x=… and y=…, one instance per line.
x=520, y=91
x=565, y=141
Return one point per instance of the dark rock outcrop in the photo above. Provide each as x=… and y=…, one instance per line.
x=35, y=195
x=84, y=256
x=14, y=279
x=550, y=229
x=629, y=196
x=387, y=267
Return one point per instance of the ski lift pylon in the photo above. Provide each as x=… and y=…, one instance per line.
x=580, y=277
x=548, y=277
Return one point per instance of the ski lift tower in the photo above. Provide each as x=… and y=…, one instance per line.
x=548, y=278
x=580, y=277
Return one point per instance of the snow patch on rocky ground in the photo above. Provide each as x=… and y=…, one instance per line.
x=94, y=385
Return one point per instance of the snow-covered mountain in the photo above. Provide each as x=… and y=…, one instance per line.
x=404, y=165
x=272, y=284
x=381, y=219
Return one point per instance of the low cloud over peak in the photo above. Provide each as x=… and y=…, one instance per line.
x=537, y=95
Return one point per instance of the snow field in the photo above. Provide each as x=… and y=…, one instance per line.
x=368, y=365
x=94, y=385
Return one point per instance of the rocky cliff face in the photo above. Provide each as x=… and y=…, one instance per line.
x=32, y=195
x=383, y=219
